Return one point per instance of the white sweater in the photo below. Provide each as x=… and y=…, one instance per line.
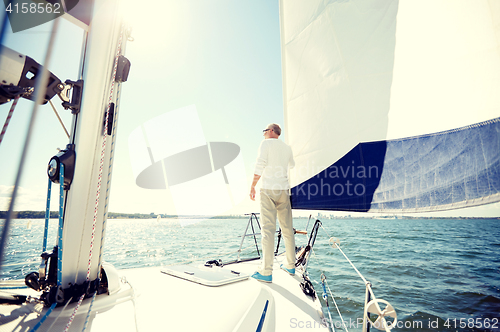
x=273, y=160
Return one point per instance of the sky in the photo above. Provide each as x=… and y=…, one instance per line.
x=221, y=57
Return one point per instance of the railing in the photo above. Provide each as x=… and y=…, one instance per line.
x=250, y=223
x=384, y=319
x=253, y=217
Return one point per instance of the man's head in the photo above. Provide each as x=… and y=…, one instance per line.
x=272, y=131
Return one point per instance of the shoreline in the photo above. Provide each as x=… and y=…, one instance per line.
x=117, y=215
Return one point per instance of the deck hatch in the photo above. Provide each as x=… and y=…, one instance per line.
x=208, y=276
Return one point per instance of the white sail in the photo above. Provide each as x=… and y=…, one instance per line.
x=361, y=77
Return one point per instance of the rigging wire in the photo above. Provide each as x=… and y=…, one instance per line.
x=325, y=283
x=354, y=267
x=58, y=117
x=37, y=326
x=62, y=310
x=344, y=325
x=325, y=298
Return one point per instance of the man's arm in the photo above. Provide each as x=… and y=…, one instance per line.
x=254, y=183
x=259, y=168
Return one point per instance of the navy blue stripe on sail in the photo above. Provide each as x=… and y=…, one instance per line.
x=342, y=186
x=441, y=171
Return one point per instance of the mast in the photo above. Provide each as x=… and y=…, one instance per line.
x=85, y=209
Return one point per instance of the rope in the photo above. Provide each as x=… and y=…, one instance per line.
x=323, y=281
x=42, y=320
x=103, y=151
x=344, y=325
x=99, y=178
x=134, y=297
x=108, y=184
x=59, y=255
x=88, y=313
x=74, y=313
x=9, y=116
x=47, y=216
x=61, y=223
x=62, y=310
x=209, y=256
x=59, y=118
x=325, y=297
x=110, y=166
x=367, y=283
x=354, y=267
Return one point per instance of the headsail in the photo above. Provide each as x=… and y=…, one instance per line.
x=392, y=105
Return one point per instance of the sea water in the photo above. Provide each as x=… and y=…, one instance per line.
x=439, y=275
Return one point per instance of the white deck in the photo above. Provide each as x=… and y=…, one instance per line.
x=158, y=301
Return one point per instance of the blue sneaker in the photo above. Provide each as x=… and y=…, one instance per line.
x=262, y=278
x=289, y=271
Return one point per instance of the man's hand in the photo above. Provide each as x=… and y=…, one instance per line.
x=252, y=188
x=252, y=193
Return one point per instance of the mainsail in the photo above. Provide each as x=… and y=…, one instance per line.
x=392, y=106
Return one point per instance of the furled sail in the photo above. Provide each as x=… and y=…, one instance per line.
x=392, y=105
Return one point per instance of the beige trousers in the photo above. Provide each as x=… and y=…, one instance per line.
x=274, y=202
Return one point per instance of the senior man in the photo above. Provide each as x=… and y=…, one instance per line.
x=274, y=159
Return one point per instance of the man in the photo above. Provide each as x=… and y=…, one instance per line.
x=274, y=159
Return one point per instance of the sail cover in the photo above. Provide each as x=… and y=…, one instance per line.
x=392, y=106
